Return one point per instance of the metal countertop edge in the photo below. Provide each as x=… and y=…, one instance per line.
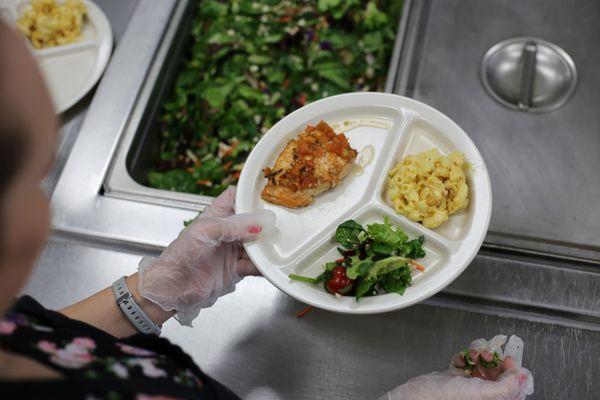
x=520, y=312
x=85, y=169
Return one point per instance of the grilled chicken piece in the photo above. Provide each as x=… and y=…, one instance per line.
x=317, y=160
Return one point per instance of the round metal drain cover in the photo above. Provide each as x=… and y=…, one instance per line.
x=528, y=74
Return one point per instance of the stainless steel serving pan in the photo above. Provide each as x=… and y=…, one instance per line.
x=139, y=148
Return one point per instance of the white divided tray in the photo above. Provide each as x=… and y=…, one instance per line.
x=303, y=240
x=70, y=70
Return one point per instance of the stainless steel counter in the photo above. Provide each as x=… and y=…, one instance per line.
x=543, y=165
x=251, y=340
x=118, y=13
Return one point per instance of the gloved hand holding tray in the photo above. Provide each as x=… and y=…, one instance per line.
x=383, y=129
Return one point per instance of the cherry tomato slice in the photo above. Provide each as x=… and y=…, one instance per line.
x=339, y=282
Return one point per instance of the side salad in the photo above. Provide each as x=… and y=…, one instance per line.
x=250, y=62
x=374, y=260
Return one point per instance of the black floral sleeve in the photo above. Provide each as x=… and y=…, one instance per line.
x=95, y=364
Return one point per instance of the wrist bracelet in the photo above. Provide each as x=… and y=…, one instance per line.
x=132, y=310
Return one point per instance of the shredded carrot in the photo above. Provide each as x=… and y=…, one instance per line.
x=302, y=99
x=306, y=310
x=417, y=265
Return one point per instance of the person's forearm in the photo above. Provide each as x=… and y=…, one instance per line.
x=101, y=310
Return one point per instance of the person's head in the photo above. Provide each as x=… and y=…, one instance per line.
x=28, y=134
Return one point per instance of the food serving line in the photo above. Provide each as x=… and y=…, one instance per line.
x=252, y=340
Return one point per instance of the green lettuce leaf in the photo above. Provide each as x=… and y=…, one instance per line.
x=359, y=268
x=347, y=234
x=386, y=233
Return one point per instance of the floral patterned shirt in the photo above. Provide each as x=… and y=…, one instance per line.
x=96, y=365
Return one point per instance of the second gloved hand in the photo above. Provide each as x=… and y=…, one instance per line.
x=205, y=261
x=482, y=372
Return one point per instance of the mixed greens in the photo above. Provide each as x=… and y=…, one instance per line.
x=484, y=365
x=469, y=364
x=250, y=63
x=374, y=260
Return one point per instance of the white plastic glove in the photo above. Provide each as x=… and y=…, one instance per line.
x=205, y=261
x=507, y=381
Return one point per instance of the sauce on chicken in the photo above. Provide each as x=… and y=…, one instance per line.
x=316, y=161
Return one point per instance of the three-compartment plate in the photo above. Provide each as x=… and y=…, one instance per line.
x=71, y=70
x=303, y=242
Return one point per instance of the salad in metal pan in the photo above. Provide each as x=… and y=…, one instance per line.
x=250, y=62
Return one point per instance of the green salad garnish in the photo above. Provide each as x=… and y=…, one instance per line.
x=374, y=260
x=252, y=62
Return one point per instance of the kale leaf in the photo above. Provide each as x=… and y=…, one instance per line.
x=396, y=281
x=415, y=248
